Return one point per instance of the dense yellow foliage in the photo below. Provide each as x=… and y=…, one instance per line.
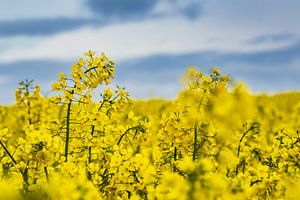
x=208, y=143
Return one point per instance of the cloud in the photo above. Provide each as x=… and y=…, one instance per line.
x=273, y=58
x=191, y=9
x=138, y=10
x=267, y=14
x=267, y=74
x=271, y=38
x=37, y=9
x=171, y=36
x=121, y=9
x=43, y=27
x=108, y=10
x=37, y=18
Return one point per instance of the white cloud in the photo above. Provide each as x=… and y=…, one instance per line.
x=266, y=14
x=174, y=7
x=29, y=9
x=145, y=38
x=18, y=42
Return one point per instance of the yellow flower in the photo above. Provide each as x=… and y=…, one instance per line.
x=216, y=71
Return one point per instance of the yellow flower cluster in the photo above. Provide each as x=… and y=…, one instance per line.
x=208, y=143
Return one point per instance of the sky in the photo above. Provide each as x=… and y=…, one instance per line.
x=153, y=42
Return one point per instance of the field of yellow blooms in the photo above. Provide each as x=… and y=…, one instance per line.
x=208, y=143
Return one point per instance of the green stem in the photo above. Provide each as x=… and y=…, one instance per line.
x=175, y=158
x=241, y=140
x=28, y=112
x=90, y=148
x=195, y=141
x=175, y=153
x=24, y=173
x=6, y=150
x=68, y=130
x=25, y=179
x=127, y=131
x=46, y=173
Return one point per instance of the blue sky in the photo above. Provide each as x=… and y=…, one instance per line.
x=152, y=41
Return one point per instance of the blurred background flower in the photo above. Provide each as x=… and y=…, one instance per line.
x=152, y=41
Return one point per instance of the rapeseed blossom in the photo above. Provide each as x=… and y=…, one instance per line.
x=208, y=143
